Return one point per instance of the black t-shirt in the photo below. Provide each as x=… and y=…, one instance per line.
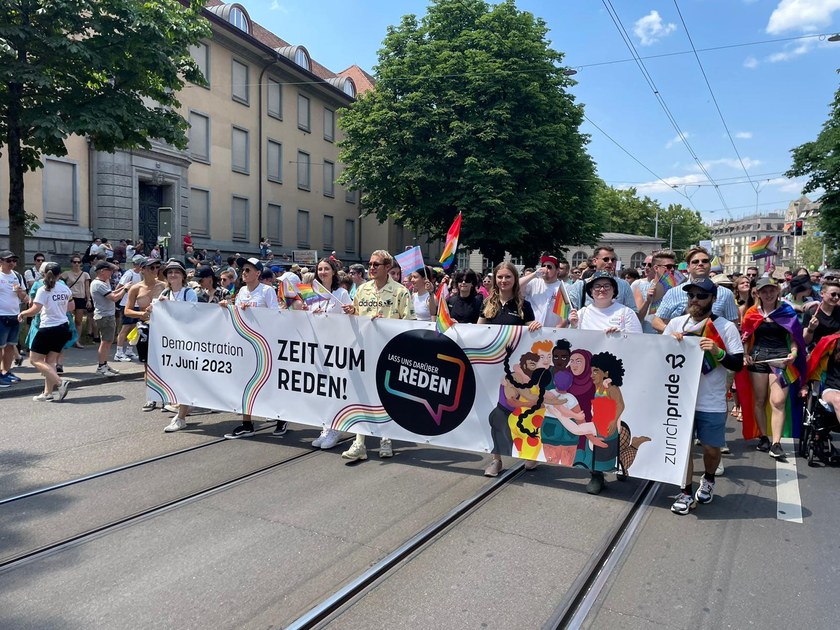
x=465, y=310
x=828, y=324
x=832, y=373
x=771, y=336
x=509, y=316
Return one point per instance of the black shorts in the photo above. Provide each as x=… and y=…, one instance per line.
x=80, y=303
x=143, y=343
x=51, y=339
x=129, y=321
x=765, y=354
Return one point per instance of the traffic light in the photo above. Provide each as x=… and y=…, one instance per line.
x=797, y=229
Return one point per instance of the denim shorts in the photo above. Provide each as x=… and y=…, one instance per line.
x=9, y=330
x=711, y=428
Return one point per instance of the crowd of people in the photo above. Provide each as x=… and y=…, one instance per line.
x=762, y=324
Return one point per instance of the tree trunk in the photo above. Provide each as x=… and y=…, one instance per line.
x=17, y=213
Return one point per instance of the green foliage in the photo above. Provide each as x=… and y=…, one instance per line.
x=30, y=225
x=470, y=113
x=819, y=160
x=809, y=251
x=106, y=69
x=630, y=214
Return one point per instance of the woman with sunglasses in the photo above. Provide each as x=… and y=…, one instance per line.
x=465, y=302
x=486, y=285
x=773, y=340
x=78, y=281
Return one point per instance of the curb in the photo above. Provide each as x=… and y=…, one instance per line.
x=36, y=386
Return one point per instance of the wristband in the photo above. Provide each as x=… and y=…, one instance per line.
x=721, y=354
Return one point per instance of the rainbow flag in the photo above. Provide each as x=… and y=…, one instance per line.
x=290, y=292
x=709, y=331
x=763, y=247
x=448, y=255
x=787, y=375
x=322, y=291
x=281, y=295
x=308, y=294
x=669, y=280
x=444, y=320
x=562, y=307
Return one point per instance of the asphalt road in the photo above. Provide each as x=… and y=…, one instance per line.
x=262, y=552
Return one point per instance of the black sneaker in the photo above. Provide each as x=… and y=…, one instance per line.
x=279, y=430
x=763, y=444
x=59, y=368
x=243, y=430
x=777, y=452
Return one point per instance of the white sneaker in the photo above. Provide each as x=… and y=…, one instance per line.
x=120, y=356
x=43, y=398
x=130, y=354
x=356, y=452
x=719, y=471
x=316, y=443
x=106, y=370
x=385, y=449
x=170, y=408
x=177, y=424
x=331, y=439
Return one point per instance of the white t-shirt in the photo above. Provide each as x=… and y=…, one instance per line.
x=54, y=302
x=184, y=294
x=262, y=296
x=711, y=392
x=421, y=306
x=128, y=279
x=541, y=295
x=31, y=276
x=331, y=306
x=616, y=315
x=9, y=300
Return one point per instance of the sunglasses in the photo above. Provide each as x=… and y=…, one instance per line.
x=648, y=264
x=153, y=267
x=75, y=262
x=464, y=282
x=10, y=260
x=698, y=296
x=608, y=259
x=700, y=261
x=548, y=266
x=670, y=266
x=37, y=260
x=833, y=295
x=375, y=265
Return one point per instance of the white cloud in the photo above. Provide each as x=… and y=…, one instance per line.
x=793, y=51
x=669, y=184
x=677, y=139
x=650, y=29
x=802, y=15
x=750, y=62
x=731, y=163
x=785, y=185
x=743, y=135
x=280, y=8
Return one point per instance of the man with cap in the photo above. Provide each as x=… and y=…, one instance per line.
x=540, y=288
x=12, y=293
x=139, y=306
x=127, y=280
x=104, y=313
x=675, y=300
x=711, y=406
x=253, y=294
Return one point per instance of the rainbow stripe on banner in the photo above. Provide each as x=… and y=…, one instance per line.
x=354, y=414
x=451, y=246
x=763, y=247
x=159, y=386
x=495, y=351
x=262, y=352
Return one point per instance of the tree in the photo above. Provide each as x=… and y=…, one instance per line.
x=809, y=251
x=106, y=69
x=470, y=113
x=819, y=160
x=630, y=214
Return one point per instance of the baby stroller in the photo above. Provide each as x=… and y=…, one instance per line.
x=818, y=421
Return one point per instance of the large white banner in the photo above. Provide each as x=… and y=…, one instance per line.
x=569, y=397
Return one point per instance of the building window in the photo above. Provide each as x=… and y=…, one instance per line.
x=201, y=55
x=328, y=231
x=350, y=235
x=462, y=260
x=302, y=59
x=637, y=260
x=329, y=179
x=239, y=82
x=239, y=219
x=274, y=95
x=199, y=221
x=349, y=195
x=239, y=150
x=329, y=125
x=579, y=257
x=303, y=112
x=303, y=170
x=274, y=159
x=303, y=228
x=61, y=192
x=238, y=18
x=275, y=224
x=199, y=137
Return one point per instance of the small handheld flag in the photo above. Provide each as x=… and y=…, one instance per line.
x=444, y=320
x=290, y=292
x=562, y=306
x=308, y=294
x=709, y=331
x=410, y=260
x=451, y=246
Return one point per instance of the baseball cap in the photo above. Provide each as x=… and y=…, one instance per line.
x=765, y=282
x=103, y=265
x=548, y=258
x=204, y=272
x=139, y=259
x=254, y=262
x=704, y=284
x=148, y=262
x=7, y=253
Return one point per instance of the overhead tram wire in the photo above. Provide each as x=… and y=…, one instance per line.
x=652, y=85
x=714, y=99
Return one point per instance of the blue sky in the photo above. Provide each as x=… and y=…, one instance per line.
x=773, y=95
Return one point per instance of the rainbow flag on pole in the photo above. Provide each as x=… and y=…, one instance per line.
x=763, y=247
x=787, y=375
x=709, y=331
x=308, y=294
x=451, y=246
x=562, y=307
x=444, y=320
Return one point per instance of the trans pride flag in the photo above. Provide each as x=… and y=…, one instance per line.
x=448, y=255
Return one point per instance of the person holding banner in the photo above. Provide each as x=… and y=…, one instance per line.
x=139, y=306
x=505, y=306
x=723, y=351
x=381, y=296
x=423, y=297
x=540, y=288
x=253, y=294
x=775, y=363
x=465, y=302
x=675, y=301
